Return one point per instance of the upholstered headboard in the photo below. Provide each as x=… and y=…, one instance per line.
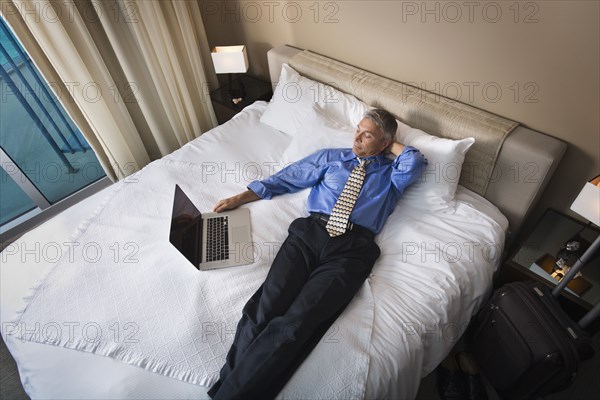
x=509, y=164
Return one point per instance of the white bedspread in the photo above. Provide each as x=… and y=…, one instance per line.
x=124, y=292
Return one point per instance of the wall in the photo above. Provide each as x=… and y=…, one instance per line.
x=536, y=62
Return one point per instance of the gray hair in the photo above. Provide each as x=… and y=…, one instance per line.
x=384, y=121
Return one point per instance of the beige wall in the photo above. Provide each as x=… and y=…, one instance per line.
x=535, y=62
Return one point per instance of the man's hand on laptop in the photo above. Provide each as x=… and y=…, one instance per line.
x=235, y=201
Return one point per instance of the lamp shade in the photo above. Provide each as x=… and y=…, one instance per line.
x=230, y=59
x=587, y=203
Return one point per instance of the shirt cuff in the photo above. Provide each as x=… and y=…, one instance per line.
x=260, y=189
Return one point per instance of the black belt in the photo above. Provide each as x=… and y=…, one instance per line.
x=323, y=218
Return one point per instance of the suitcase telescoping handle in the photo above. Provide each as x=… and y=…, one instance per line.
x=591, y=251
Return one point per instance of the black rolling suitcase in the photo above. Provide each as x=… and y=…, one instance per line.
x=525, y=344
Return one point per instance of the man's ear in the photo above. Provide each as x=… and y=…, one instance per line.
x=388, y=144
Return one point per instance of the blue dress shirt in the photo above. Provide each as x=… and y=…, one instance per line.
x=327, y=171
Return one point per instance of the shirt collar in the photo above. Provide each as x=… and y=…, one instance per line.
x=376, y=159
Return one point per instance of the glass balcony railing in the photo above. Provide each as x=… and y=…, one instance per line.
x=45, y=158
x=13, y=200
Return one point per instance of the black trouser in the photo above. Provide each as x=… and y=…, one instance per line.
x=312, y=279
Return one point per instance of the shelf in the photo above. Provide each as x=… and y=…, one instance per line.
x=548, y=237
x=256, y=89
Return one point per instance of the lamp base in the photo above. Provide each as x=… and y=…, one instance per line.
x=237, y=91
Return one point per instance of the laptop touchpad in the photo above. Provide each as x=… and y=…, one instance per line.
x=239, y=234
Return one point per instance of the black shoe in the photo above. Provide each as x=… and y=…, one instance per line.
x=450, y=380
x=473, y=386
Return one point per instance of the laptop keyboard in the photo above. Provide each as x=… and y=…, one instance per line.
x=217, y=239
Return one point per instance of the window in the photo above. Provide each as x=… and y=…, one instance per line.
x=44, y=158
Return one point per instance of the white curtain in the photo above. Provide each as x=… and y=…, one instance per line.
x=138, y=71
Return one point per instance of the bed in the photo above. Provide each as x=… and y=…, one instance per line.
x=95, y=303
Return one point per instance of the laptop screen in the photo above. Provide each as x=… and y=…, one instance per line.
x=186, y=227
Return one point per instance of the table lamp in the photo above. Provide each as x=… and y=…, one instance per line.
x=232, y=60
x=587, y=204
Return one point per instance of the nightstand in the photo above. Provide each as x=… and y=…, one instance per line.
x=255, y=90
x=534, y=259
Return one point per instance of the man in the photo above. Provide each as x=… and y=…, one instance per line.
x=324, y=260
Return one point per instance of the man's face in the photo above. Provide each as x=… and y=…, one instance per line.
x=368, y=139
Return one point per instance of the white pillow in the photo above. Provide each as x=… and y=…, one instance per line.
x=295, y=96
x=319, y=131
x=402, y=130
x=435, y=189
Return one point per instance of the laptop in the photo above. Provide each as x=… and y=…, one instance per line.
x=210, y=240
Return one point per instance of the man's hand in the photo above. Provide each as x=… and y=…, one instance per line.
x=396, y=148
x=235, y=201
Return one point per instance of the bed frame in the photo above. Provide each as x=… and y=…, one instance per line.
x=509, y=164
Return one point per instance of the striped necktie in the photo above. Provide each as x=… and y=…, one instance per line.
x=338, y=220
